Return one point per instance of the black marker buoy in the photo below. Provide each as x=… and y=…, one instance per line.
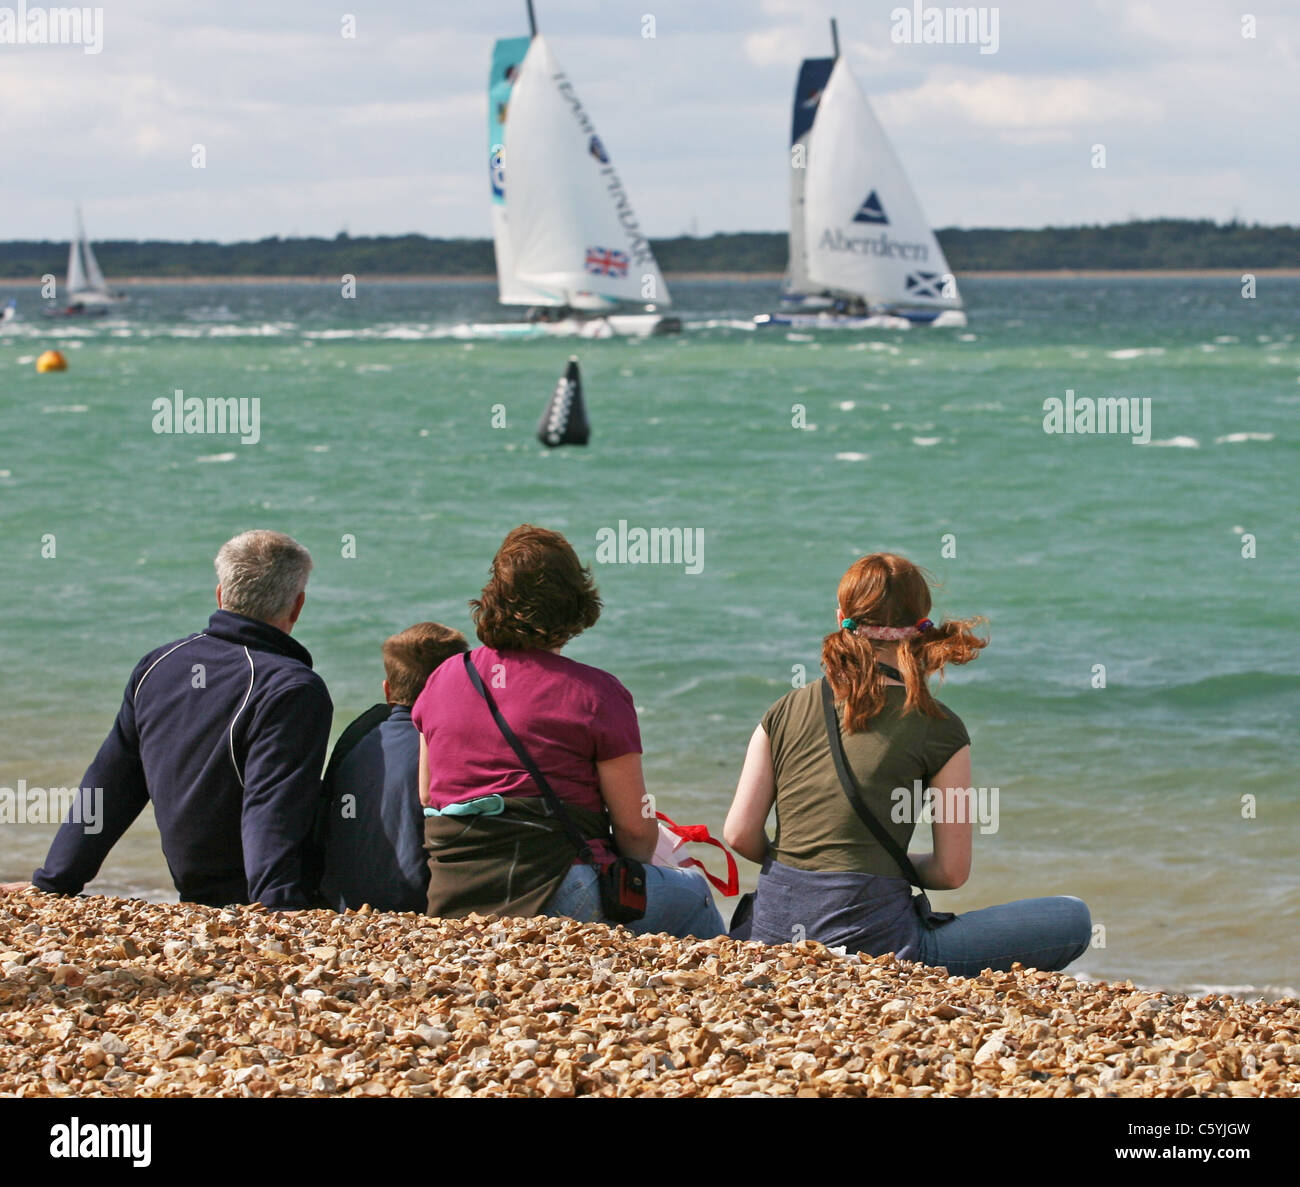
x=564, y=422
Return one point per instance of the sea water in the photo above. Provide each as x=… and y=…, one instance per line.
x=1135, y=711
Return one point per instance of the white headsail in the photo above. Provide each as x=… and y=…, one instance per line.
x=863, y=233
x=507, y=56
x=813, y=76
x=571, y=226
x=94, y=277
x=76, y=282
x=84, y=277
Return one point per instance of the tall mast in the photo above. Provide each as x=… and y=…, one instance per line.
x=835, y=32
x=532, y=20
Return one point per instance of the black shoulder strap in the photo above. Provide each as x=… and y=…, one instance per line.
x=552, y=800
x=356, y=730
x=851, y=789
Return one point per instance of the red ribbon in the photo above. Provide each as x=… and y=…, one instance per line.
x=700, y=833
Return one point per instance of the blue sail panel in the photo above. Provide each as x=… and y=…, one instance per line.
x=814, y=74
x=507, y=55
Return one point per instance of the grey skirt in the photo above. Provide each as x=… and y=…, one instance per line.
x=863, y=913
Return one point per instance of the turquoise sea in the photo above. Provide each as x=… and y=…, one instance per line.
x=1163, y=798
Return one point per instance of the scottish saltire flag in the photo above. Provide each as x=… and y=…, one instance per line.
x=603, y=262
x=925, y=284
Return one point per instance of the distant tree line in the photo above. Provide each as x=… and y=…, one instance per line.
x=1156, y=243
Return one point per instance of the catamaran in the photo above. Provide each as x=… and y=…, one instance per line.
x=862, y=254
x=568, y=244
x=86, y=293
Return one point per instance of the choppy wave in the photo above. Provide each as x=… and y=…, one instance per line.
x=1247, y=993
x=1225, y=690
x=1079, y=554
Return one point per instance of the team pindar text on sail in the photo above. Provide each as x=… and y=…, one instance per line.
x=638, y=244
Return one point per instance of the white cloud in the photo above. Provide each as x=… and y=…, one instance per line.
x=1001, y=101
x=772, y=47
x=305, y=129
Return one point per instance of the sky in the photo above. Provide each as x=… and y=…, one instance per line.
x=308, y=132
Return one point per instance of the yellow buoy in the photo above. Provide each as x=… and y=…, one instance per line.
x=51, y=360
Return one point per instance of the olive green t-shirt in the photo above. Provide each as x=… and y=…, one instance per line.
x=816, y=826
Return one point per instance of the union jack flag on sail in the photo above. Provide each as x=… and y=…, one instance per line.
x=603, y=262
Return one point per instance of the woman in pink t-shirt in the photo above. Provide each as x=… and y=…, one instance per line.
x=493, y=844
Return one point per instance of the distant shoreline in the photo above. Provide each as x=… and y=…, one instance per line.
x=729, y=277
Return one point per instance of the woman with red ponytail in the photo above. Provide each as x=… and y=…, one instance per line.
x=840, y=758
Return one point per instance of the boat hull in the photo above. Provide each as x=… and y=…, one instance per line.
x=615, y=325
x=87, y=311
x=901, y=320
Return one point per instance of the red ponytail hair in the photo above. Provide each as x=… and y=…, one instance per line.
x=888, y=590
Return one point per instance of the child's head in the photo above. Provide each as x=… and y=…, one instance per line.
x=411, y=656
x=884, y=601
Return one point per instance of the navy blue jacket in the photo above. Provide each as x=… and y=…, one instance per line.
x=225, y=732
x=375, y=848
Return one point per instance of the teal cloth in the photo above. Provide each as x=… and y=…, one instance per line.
x=484, y=805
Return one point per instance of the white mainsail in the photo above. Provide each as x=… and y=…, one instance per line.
x=76, y=282
x=863, y=232
x=571, y=227
x=85, y=280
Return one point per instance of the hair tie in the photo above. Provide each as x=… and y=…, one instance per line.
x=886, y=633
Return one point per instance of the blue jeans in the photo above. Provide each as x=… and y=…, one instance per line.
x=677, y=902
x=1041, y=933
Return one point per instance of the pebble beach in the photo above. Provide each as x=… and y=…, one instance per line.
x=116, y=997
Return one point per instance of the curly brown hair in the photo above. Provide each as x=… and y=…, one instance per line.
x=538, y=595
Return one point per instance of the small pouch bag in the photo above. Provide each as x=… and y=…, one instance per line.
x=929, y=917
x=622, y=890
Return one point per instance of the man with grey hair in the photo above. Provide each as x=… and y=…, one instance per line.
x=225, y=732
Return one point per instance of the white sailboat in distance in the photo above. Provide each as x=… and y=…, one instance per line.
x=862, y=254
x=86, y=292
x=568, y=243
